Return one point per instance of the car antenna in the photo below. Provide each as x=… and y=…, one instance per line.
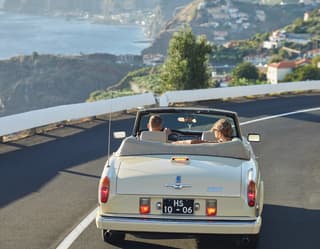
x=109, y=137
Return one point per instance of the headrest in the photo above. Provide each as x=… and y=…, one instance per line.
x=154, y=136
x=208, y=136
x=131, y=146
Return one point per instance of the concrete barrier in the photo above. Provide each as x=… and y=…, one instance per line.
x=172, y=97
x=29, y=120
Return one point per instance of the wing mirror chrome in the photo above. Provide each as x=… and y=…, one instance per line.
x=254, y=137
x=119, y=134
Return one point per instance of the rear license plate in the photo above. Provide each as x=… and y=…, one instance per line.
x=177, y=206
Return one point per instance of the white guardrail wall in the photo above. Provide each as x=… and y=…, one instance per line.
x=233, y=92
x=38, y=118
x=28, y=120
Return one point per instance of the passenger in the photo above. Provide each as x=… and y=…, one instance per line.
x=221, y=129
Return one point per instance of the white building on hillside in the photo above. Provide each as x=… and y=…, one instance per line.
x=312, y=53
x=277, y=71
x=270, y=44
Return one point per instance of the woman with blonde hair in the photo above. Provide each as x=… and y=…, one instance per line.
x=222, y=130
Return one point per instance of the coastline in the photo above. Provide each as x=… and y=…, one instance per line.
x=90, y=18
x=83, y=16
x=54, y=34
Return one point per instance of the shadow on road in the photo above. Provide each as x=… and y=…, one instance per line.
x=26, y=170
x=283, y=227
x=289, y=227
x=128, y=244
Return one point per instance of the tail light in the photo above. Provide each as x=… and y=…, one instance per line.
x=251, y=194
x=184, y=160
x=211, y=207
x=104, y=189
x=144, y=205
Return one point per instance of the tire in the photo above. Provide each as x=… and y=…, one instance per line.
x=112, y=237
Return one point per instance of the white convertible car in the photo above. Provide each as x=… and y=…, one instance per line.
x=151, y=184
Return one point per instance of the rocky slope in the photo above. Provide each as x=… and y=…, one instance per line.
x=39, y=81
x=222, y=21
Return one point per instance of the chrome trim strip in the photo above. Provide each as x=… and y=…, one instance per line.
x=146, y=224
x=178, y=186
x=145, y=220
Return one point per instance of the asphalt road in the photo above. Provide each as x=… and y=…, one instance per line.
x=48, y=183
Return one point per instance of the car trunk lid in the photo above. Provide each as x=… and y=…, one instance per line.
x=187, y=176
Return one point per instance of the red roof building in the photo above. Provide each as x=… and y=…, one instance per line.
x=277, y=71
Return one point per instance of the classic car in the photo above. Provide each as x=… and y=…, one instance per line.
x=152, y=184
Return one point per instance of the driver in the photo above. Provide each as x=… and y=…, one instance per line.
x=155, y=123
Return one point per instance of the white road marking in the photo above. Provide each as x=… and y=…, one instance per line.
x=67, y=242
x=280, y=115
x=72, y=236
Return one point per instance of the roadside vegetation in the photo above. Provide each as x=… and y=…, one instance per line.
x=186, y=67
x=246, y=73
x=142, y=80
x=187, y=63
x=307, y=72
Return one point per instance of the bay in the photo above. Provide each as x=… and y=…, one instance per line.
x=24, y=34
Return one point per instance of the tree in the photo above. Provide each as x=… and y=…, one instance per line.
x=275, y=58
x=244, y=72
x=186, y=66
x=316, y=61
x=302, y=73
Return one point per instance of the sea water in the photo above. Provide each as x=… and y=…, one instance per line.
x=24, y=34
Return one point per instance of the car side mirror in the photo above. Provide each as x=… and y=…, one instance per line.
x=254, y=137
x=119, y=134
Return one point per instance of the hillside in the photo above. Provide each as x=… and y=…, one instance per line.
x=147, y=79
x=222, y=21
x=39, y=81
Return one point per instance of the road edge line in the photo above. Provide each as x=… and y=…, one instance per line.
x=280, y=115
x=75, y=233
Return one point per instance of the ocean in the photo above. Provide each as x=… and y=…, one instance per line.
x=24, y=34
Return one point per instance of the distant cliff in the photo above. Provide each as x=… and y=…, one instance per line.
x=40, y=81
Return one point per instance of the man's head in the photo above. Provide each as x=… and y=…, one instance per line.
x=155, y=123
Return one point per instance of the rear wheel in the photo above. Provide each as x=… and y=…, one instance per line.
x=112, y=237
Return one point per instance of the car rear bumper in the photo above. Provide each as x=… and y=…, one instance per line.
x=179, y=225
